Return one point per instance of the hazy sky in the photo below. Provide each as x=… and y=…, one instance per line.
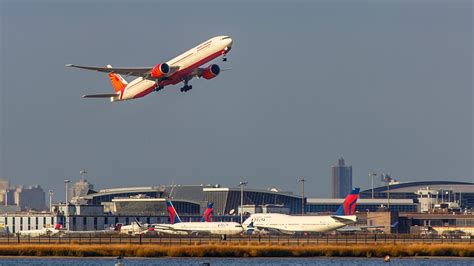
x=385, y=84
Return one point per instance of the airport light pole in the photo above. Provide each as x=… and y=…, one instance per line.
x=50, y=200
x=373, y=175
x=302, y=180
x=66, y=182
x=242, y=184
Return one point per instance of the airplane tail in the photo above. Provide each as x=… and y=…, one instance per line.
x=174, y=217
x=349, y=205
x=118, y=82
x=250, y=229
x=118, y=227
x=208, y=213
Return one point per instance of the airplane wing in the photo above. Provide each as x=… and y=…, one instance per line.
x=167, y=229
x=103, y=95
x=129, y=71
x=269, y=228
x=162, y=227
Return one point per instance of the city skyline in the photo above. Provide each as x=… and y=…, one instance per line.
x=388, y=86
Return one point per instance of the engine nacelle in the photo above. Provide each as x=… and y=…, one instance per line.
x=160, y=70
x=211, y=71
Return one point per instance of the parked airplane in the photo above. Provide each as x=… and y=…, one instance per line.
x=179, y=69
x=113, y=230
x=46, y=231
x=135, y=228
x=187, y=228
x=289, y=224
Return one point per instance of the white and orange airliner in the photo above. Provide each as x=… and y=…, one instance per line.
x=179, y=69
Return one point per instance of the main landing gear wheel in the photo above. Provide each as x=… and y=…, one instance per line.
x=159, y=88
x=186, y=88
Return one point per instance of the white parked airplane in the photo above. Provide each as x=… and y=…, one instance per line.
x=289, y=224
x=186, y=228
x=46, y=231
x=182, y=68
x=112, y=230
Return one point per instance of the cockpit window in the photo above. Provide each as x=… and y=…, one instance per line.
x=227, y=37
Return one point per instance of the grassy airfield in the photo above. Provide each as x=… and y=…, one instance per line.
x=150, y=250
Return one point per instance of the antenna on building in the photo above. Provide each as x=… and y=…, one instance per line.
x=172, y=189
x=83, y=173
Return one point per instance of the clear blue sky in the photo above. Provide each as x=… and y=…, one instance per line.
x=385, y=84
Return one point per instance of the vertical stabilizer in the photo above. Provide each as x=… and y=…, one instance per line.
x=174, y=217
x=118, y=82
x=208, y=213
x=349, y=205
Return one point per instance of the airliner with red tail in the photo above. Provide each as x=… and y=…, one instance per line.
x=182, y=68
x=177, y=227
x=46, y=231
x=288, y=224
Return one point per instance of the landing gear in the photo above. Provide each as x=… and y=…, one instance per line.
x=224, y=59
x=159, y=88
x=186, y=88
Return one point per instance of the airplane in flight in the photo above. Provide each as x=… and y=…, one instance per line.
x=177, y=227
x=182, y=68
x=289, y=224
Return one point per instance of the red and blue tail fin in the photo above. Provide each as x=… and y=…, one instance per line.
x=208, y=213
x=349, y=205
x=174, y=217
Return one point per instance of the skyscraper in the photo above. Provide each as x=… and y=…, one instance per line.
x=30, y=198
x=341, y=179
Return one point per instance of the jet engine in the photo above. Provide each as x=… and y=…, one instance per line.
x=160, y=70
x=211, y=71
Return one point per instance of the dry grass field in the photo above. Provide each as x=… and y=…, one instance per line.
x=127, y=250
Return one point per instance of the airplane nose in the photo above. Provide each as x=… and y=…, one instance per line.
x=229, y=42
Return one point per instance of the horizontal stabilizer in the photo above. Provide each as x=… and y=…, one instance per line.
x=103, y=95
x=345, y=218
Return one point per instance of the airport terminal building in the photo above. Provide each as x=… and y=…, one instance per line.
x=448, y=191
x=95, y=210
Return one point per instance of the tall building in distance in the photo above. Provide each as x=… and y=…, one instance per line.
x=30, y=198
x=341, y=179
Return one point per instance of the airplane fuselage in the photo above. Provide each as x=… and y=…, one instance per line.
x=213, y=228
x=39, y=232
x=292, y=224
